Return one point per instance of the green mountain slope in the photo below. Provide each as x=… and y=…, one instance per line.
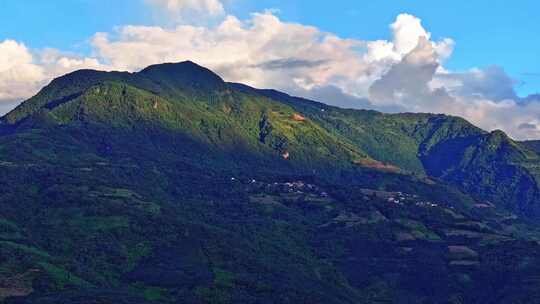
x=489, y=166
x=173, y=186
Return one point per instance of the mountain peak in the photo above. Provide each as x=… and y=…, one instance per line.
x=185, y=74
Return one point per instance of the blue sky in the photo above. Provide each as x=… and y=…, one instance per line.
x=485, y=32
x=475, y=59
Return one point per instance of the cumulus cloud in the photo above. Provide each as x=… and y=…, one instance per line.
x=23, y=72
x=407, y=29
x=486, y=97
x=262, y=51
x=405, y=73
x=19, y=75
x=406, y=83
x=265, y=51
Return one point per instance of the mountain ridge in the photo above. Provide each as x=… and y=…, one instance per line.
x=413, y=142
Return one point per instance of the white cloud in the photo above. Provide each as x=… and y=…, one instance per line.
x=406, y=73
x=258, y=51
x=407, y=29
x=406, y=83
x=265, y=51
x=23, y=73
x=486, y=97
x=19, y=76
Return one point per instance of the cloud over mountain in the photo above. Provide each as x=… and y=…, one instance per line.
x=23, y=72
x=405, y=73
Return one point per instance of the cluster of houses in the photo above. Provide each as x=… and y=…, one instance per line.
x=396, y=198
x=426, y=204
x=391, y=197
x=298, y=187
x=400, y=199
x=294, y=187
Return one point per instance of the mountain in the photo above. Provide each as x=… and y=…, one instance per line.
x=489, y=166
x=171, y=185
